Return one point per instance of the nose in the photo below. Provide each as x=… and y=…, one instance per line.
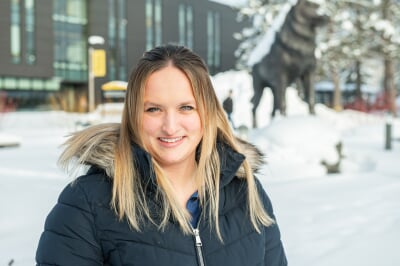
x=170, y=123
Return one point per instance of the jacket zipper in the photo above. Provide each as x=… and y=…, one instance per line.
x=199, y=246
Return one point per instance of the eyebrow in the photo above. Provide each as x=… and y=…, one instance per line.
x=180, y=104
x=151, y=103
x=188, y=102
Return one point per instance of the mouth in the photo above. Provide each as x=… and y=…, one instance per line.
x=171, y=140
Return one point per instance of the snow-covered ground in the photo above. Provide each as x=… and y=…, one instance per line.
x=351, y=218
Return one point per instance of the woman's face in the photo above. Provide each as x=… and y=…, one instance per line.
x=171, y=125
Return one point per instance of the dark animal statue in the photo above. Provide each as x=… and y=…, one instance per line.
x=291, y=57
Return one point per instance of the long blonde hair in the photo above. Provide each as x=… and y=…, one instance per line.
x=128, y=196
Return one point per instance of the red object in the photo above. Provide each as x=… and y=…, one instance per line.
x=381, y=103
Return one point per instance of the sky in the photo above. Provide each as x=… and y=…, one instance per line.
x=351, y=218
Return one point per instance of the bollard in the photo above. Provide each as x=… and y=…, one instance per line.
x=388, y=136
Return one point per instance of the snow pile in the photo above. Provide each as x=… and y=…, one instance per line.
x=296, y=141
x=7, y=140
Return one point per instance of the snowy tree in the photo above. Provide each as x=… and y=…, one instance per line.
x=388, y=29
x=360, y=30
x=261, y=15
x=343, y=46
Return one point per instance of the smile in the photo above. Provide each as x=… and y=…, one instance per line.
x=171, y=140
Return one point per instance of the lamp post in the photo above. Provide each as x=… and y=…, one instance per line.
x=92, y=40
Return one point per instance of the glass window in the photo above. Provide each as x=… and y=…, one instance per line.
x=112, y=23
x=117, y=51
x=149, y=24
x=153, y=23
x=70, y=40
x=10, y=83
x=76, y=10
x=30, y=31
x=189, y=27
x=112, y=29
x=24, y=84
x=217, y=40
x=213, y=40
x=37, y=84
x=158, y=22
x=58, y=6
x=122, y=21
x=210, y=39
x=15, y=32
x=75, y=48
x=52, y=84
x=181, y=26
x=185, y=14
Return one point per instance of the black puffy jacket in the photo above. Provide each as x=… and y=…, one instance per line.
x=82, y=229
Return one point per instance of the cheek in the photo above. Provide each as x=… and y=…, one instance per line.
x=149, y=126
x=193, y=124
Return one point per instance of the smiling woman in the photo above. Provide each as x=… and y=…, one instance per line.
x=169, y=185
x=171, y=123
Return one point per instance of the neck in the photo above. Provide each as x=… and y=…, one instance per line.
x=183, y=181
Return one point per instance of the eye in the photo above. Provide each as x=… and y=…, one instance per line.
x=187, y=108
x=152, y=109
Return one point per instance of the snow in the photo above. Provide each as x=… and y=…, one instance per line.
x=350, y=218
x=386, y=27
x=264, y=45
x=9, y=140
x=232, y=3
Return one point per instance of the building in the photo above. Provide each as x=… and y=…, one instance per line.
x=44, y=44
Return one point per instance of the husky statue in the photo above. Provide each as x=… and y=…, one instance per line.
x=291, y=57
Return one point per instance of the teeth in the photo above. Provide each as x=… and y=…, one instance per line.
x=171, y=140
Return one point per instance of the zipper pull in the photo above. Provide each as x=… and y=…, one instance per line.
x=199, y=249
x=197, y=237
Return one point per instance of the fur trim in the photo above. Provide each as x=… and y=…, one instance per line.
x=96, y=145
x=253, y=155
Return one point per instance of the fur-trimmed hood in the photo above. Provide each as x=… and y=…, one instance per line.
x=94, y=146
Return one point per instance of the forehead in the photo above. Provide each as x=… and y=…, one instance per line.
x=168, y=83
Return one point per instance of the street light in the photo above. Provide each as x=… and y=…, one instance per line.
x=94, y=58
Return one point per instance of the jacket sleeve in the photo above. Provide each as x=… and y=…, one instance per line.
x=69, y=236
x=274, y=251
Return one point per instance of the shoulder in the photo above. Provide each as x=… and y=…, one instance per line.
x=70, y=227
x=236, y=194
x=77, y=207
x=93, y=188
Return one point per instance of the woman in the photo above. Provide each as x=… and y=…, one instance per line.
x=169, y=185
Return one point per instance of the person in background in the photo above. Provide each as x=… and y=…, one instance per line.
x=227, y=104
x=168, y=185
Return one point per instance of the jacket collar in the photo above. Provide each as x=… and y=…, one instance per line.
x=230, y=163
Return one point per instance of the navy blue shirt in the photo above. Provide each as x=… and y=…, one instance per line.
x=193, y=206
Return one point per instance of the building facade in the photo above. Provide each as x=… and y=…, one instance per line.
x=44, y=44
